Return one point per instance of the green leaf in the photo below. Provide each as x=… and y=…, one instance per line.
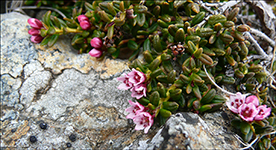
x=146, y=45
x=141, y=19
x=132, y=45
x=157, y=43
x=45, y=40
x=46, y=18
x=245, y=127
x=133, y=55
x=110, y=31
x=53, y=39
x=154, y=98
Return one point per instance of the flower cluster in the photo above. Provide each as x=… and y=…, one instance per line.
x=248, y=107
x=97, y=44
x=135, y=82
x=35, y=31
x=140, y=116
x=84, y=22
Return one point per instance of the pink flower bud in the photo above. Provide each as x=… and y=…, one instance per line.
x=139, y=91
x=263, y=112
x=136, y=77
x=135, y=109
x=248, y=112
x=143, y=120
x=82, y=18
x=34, y=31
x=95, y=53
x=126, y=84
x=36, y=38
x=85, y=25
x=35, y=23
x=96, y=43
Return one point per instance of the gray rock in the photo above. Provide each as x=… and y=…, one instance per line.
x=16, y=49
x=9, y=90
x=189, y=131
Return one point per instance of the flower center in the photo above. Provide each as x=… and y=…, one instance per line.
x=137, y=78
x=248, y=112
x=237, y=103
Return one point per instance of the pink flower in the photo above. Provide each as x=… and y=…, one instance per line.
x=235, y=102
x=143, y=120
x=248, y=111
x=96, y=43
x=139, y=91
x=82, y=18
x=136, y=77
x=85, y=25
x=95, y=53
x=135, y=109
x=263, y=112
x=34, y=31
x=35, y=23
x=36, y=38
x=252, y=99
x=126, y=84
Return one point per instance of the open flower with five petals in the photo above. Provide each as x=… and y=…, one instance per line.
x=235, y=102
x=139, y=91
x=263, y=112
x=126, y=84
x=248, y=112
x=136, y=77
x=135, y=108
x=143, y=120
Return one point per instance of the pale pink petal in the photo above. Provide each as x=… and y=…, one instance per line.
x=146, y=129
x=123, y=87
x=252, y=99
x=130, y=116
x=139, y=127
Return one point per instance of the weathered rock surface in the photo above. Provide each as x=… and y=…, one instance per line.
x=77, y=95
x=189, y=131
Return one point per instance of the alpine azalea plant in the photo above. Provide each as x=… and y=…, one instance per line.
x=187, y=47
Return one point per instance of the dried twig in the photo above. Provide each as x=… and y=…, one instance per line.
x=262, y=35
x=42, y=7
x=257, y=46
x=227, y=92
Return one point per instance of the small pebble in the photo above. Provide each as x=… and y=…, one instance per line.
x=33, y=139
x=68, y=144
x=43, y=126
x=13, y=130
x=72, y=137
